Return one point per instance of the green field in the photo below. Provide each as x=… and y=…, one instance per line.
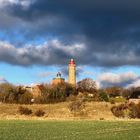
x=69, y=130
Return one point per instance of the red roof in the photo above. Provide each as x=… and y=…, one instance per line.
x=72, y=61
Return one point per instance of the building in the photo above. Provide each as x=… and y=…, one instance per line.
x=35, y=90
x=72, y=73
x=58, y=79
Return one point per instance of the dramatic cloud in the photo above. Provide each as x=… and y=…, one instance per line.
x=49, y=53
x=104, y=21
x=123, y=79
x=55, y=52
x=94, y=32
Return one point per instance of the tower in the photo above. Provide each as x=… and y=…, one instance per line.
x=72, y=72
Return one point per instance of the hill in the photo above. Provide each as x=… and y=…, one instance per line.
x=60, y=111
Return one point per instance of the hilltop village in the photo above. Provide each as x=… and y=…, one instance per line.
x=36, y=89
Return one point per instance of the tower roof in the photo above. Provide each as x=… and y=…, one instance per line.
x=58, y=75
x=72, y=61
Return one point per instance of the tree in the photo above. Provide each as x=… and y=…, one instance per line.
x=6, y=90
x=114, y=91
x=126, y=93
x=103, y=96
x=59, y=92
x=87, y=85
x=25, y=98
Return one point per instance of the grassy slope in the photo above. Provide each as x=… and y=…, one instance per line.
x=92, y=110
x=69, y=130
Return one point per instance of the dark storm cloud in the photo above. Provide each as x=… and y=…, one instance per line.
x=49, y=53
x=109, y=31
x=101, y=20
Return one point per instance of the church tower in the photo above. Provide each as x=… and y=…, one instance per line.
x=72, y=72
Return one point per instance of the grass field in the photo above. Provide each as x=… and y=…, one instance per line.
x=69, y=130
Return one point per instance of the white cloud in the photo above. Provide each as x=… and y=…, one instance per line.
x=134, y=84
x=3, y=80
x=113, y=78
x=121, y=79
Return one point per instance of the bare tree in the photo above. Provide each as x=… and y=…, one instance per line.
x=87, y=85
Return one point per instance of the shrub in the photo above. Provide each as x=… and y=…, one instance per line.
x=118, y=99
x=39, y=100
x=6, y=90
x=102, y=119
x=71, y=98
x=138, y=110
x=25, y=98
x=76, y=105
x=39, y=113
x=24, y=110
x=103, y=96
x=130, y=110
x=118, y=111
x=112, y=100
x=134, y=110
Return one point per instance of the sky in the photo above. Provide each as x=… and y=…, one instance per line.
x=39, y=37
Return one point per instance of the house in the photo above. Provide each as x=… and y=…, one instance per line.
x=35, y=90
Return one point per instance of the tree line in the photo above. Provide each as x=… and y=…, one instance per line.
x=86, y=89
